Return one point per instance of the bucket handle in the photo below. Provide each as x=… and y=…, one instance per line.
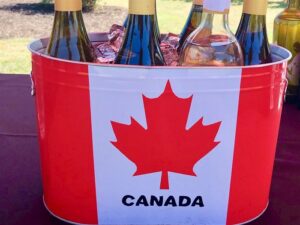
x=32, y=84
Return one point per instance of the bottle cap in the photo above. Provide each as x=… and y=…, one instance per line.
x=255, y=7
x=68, y=5
x=142, y=7
x=216, y=6
x=198, y=2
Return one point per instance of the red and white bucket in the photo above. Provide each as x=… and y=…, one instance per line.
x=149, y=145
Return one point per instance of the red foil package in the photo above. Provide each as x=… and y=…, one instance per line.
x=107, y=51
x=169, y=46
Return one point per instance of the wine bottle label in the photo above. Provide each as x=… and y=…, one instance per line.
x=198, y=2
x=141, y=7
x=255, y=7
x=216, y=6
x=68, y=5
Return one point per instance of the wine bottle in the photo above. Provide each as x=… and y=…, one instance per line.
x=69, y=39
x=287, y=34
x=157, y=31
x=193, y=21
x=141, y=44
x=212, y=43
x=252, y=33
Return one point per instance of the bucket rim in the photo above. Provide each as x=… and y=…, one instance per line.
x=93, y=37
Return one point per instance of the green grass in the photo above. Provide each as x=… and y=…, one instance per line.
x=15, y=58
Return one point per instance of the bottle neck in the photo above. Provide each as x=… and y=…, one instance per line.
x=294, y=4
x=252, y=23
x=69, y=24
x=71, y=18
x=143, y=25
x=69, y=39
x=215, y=23
x=141, y=42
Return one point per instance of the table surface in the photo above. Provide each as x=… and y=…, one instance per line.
x=20, y=179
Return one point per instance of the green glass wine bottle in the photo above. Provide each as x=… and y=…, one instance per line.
x=192, y=22
x=156, y=29
x=287, y=34
x=141, y=43
x=252, y=33
x=69, y=39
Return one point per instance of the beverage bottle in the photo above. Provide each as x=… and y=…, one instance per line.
x=141, y=43
x=69, y=39
x=287, y=34
x=212, y=43
x=193, y=21
x=252, y=33
x=157, y=31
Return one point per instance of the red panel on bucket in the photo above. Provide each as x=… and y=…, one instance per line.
x=260, y=106
x=65, y=139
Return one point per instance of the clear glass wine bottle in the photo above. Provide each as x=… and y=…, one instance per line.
x=212, y=43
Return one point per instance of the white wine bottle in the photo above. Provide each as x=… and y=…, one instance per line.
x=69, y=39
x=252, y=33
x=141, y=42
x=287, y=34
x=157, y=31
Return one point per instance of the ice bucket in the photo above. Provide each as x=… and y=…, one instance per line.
x=157, y=145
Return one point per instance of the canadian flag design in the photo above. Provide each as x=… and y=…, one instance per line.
x=208, y=177
x=134, y=145
x=165, y=145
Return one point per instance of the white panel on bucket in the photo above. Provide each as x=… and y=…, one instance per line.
x=116, y=95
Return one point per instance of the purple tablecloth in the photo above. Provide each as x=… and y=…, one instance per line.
x=20, y=179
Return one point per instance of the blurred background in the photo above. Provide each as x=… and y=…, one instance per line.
x=22, y=21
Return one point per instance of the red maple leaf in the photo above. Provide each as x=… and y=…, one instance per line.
x=166, y=145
